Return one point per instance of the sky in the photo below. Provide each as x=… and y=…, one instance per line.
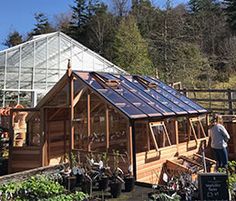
x=19, y=14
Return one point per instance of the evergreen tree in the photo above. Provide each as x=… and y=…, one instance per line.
x=191, y=67
x=231, y=13
x=13, y=38
x=146, y=16
x=130, y=49
x=42, y=25
x=101, y=31
x=82, y=12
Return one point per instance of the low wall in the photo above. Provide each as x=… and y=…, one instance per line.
x=19, y=176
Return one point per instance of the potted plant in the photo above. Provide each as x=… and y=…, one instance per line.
x=19, y=141
x=116, y=180
x=103, y=167
x=87, y=184
x=129, y=178
x=68, y=173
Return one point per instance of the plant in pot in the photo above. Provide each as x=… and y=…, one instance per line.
x=69, y=179
x=129, y=178
x=103, y=169
x=87, y=183
x=19, y=141
x=77, y=170
x=116, y=179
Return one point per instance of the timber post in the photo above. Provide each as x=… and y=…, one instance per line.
x=70, y=103
x=230, y=103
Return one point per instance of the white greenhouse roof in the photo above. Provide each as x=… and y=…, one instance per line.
x=29, y=70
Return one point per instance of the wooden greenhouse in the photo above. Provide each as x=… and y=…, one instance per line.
x=147, y=121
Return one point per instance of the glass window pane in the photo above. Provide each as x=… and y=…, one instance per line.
x=146, y=97
x=138, y=102
x=177, y=94
x=116, y=99
x=157, y=96
x=121, y=103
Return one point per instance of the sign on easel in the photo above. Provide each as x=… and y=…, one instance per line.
x=213, y=186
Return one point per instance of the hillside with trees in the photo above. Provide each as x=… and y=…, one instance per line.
x=193, y=43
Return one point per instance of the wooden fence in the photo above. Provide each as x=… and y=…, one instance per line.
x=215, y=100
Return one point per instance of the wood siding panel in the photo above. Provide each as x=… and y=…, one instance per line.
x=149, y=164
x=25, y=158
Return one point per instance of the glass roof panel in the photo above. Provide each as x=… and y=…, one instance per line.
x=146, y=108
x=171, y=97
x=146, y=97
x=132, y=93
x=157, y=96
x=177, y=94
x=113, y=97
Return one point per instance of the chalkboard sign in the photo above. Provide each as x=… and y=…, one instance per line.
x=213, y=186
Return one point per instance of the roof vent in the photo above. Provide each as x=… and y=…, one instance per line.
x=105, y=80
x=144, y=82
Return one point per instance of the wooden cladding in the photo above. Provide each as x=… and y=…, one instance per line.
x=25, y=158
x=149, y=164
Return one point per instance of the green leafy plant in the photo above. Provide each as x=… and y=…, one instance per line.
x=231, y=171
x=105, y=159
x=77, y=196
x=41, y=188
x=165, y=197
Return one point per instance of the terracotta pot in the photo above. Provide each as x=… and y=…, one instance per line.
x=19, y=142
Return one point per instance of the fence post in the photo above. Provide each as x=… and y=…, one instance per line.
x=185, y=92
x=230, y=101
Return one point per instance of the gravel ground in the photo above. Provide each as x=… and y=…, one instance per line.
x=138, y=194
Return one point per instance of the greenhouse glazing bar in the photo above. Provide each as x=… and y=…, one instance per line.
x=36, y=65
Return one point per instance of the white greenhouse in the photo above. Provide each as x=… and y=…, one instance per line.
x=29, y=70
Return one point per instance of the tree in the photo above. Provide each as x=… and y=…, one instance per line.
x=42, y=25
x=13, y=38
x=191, y=67
x=146, y=16
x=62, y=21
x=168, y=32
x=101, y=31
x=231, y=13
x=130, y=49
x=120, y=7
x=82, y=12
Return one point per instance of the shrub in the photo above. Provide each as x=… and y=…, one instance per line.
x=39, y=188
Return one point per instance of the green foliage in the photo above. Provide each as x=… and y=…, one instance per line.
x=9, y=191
x=190, y=65
x=232, y=174
x=231, y=171
x=13, y=38
x=78, y=196
x=165, y=197
x=82, y=12
x=105, y=159
x=146, y=15
x=37, y=188
x=130, y=49
x=116, y=156
x=73, y=160
x=231, y=13
x=42, y=25
x=146, y=39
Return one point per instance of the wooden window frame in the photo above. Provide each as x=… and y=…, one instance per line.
x=198, y=121
x=160, y=123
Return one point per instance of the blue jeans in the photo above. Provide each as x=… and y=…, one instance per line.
x=221, y=157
